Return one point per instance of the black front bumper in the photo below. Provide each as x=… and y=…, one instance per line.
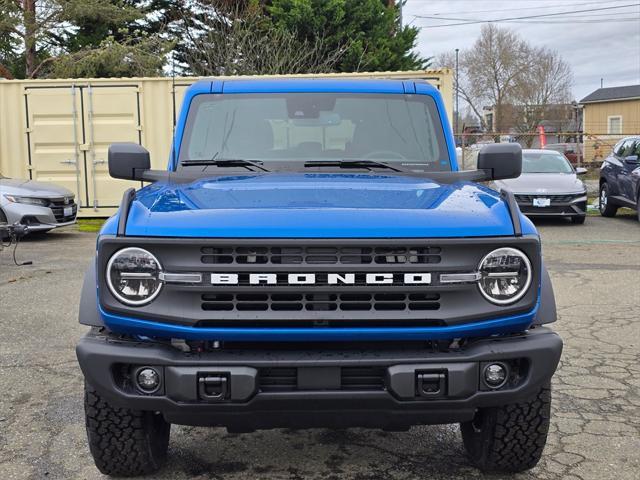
x=253, y=388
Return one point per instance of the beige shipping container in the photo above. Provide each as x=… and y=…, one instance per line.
x=59, y=130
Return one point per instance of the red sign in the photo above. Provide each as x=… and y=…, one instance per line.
x=543, y=137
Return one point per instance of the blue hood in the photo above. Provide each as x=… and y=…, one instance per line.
x=334, y=205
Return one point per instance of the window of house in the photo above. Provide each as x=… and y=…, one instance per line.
x=614, y=124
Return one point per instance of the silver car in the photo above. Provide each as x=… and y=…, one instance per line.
x=41, y=206
x=548, y=186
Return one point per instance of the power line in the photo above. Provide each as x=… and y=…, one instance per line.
x=526, y=17
x=571, y=16
x=526, y=8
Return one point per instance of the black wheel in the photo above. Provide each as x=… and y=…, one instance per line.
x=509, y=438
x=124, y=442
x=607, y=209
x=4, y=235
x=578, y=220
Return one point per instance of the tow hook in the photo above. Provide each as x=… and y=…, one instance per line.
x=431, y=384
x=213, y=388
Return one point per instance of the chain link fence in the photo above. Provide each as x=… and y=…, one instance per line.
x=587, y=149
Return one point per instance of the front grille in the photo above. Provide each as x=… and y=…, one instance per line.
x=285, y=379
x=320, y=302
x=316, y=283
x=553, y=209
x=57, y=207
x=554, y=198
x=320, y=255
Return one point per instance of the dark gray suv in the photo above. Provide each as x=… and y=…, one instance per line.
x=620, y=178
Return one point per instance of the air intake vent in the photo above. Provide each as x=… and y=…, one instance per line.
x=278, y=379
x=364, y=378
x=312, y=255
x=319, y=302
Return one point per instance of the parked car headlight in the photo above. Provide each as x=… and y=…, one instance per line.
x=41, y=202
x=133, y=276
x=505, y=275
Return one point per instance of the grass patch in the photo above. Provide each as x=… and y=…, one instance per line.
x=90, y=224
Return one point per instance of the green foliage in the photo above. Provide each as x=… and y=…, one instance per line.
x=105, y=38
x=72, y=38
x=112, y=59
x=368, y=29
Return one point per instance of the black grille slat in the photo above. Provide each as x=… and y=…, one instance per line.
x=285, y=379
x=362, y=378
x=292, y=302
x=278, y=379
x=58, y=212
x=553, y=198
x=314, y=255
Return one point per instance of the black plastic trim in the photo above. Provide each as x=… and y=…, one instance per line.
x=514, y=211
x=88, y=313
x=547, y=312
x=125, y=206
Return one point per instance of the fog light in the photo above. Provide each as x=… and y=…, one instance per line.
x=148, y=380
x=495, y=375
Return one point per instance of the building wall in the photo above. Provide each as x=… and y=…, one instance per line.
x=59, y=130
x=598, y=141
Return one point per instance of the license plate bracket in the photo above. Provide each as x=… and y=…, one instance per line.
x=67, y=211
x=541, y=202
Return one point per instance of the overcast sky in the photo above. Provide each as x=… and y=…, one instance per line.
x=597, y=44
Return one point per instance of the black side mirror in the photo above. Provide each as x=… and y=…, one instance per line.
x=632, y=160
x=128, y=161
x=501, y=160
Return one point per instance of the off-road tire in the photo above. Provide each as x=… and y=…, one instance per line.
x=578, y=220
x=607, y=209
x=124, y=442
x=509, y=438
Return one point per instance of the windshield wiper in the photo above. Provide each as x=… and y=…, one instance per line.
x=227, y=162
x=352, y=164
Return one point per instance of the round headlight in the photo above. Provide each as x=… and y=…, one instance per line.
x=133, y=276
x=505, y=275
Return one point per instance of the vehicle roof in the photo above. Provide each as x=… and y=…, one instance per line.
x=538, y=150
x=309, y=85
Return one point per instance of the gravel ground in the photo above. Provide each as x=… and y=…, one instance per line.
x=595, y=431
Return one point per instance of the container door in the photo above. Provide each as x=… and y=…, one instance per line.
x=111, y=114
x=54, y=130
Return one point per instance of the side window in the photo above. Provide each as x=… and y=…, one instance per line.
x=619, y=148
x=635, y=150
x=627, y=148
x=614, y=125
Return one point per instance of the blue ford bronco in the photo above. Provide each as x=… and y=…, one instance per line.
x=314, y=258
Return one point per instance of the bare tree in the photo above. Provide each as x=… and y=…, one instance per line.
x=522, y=84
x=494, y=67
x=544, y=91
x=241, y=41
x=463, y=87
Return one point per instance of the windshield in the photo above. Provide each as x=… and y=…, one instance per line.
x=318, y=126
x=545, y=163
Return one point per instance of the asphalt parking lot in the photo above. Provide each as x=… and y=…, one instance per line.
x=595, y=432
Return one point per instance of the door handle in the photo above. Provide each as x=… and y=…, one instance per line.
x=69, y=162
x=98, y=162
